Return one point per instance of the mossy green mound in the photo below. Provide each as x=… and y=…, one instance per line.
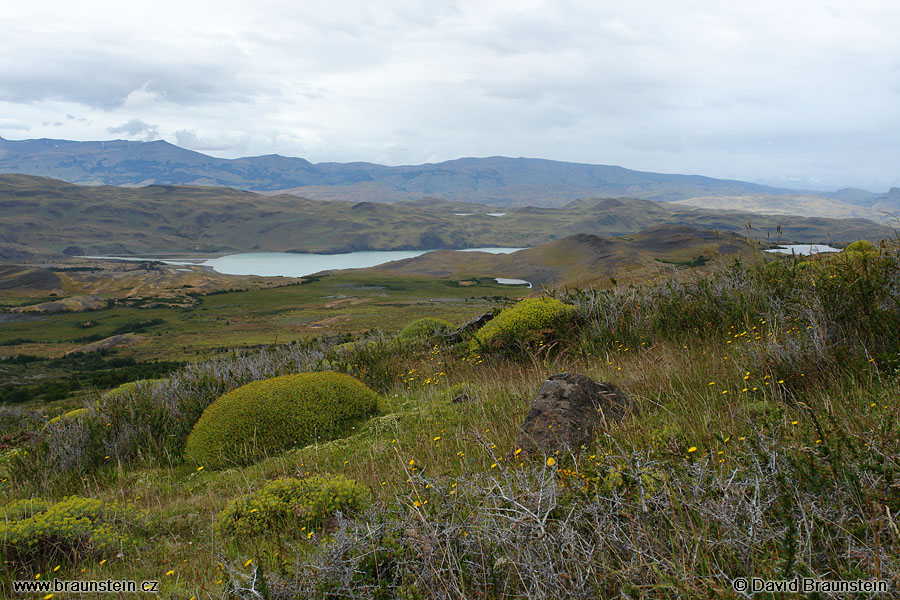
x=269, y=416
x=292, y=505
x=130, y=387
x=862, y=247
x=71, y=528
x=69, y=416
x=522, y=322
x=425, y=328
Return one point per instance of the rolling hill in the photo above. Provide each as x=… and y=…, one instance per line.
x=583, y=259
x=883, y=208
x=48, y=218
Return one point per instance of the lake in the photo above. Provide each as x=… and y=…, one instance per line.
x=289, y=264
x=804, y=249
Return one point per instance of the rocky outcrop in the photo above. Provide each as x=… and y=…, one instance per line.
x=569, y=412
x=472, y=326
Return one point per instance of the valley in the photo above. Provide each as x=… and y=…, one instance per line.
x=449, y=300
x=44, y=219
x=107, y=368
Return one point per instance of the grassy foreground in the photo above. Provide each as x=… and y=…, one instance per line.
x=764, y=442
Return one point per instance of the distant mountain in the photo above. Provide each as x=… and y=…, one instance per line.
x=49, y=218
x=888, y=202
x=494, y=180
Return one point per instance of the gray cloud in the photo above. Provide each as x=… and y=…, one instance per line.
x=762, y=91
x=136, y=128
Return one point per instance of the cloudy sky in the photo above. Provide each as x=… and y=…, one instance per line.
x=777, y=91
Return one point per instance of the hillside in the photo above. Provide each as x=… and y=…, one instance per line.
x=492, y=180
x=584, y=259
x=667, y=439
x=882, y=211
x=48, y=218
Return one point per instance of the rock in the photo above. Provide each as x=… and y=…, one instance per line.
x=569, y=412
x=460, y=334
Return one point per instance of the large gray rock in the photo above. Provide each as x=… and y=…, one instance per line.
x=569, y=413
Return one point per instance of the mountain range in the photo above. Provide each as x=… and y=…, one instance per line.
x=493, y=180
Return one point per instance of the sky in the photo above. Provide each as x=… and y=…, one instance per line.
x=787, y=92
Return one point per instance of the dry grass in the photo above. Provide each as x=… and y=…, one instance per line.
x=769, y=453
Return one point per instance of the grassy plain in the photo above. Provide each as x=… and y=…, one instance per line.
x=333, y=305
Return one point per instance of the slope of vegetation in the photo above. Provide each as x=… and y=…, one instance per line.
x=764, y=441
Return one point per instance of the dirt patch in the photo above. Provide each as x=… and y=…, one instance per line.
x=321, y=324
x=345, y=302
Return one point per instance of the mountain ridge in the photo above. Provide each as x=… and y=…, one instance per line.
x=490, y=180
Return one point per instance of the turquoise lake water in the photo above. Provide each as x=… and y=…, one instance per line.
x=288, y=264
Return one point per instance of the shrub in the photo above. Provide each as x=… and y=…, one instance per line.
x=18, y=510
x=373, y=361
x=522, y=322
x=16, y=421
x=861, y=246
x=424, y=329
x=151, y=420
x=35, y=529
x=292, y=504
x=131, y=387
x=275, y=414
x=72, y=414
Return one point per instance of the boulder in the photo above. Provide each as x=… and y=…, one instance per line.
x=475, y=324
x=569, y=412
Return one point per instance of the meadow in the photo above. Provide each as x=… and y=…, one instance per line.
x=171, y=330
x=763, y=441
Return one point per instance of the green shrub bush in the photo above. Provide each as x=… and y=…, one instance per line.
x=130, y=387
x=424, y=329
x=292, y=504
x=71, y=415
x=861, y=246
x=74, y=527
x=524, y=321
x=271, y=415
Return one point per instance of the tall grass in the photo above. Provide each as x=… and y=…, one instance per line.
x=764, y=441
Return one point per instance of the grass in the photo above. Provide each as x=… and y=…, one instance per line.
x=334, y=304
x=676, y=410
x=339, y=304
x=763, y=442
